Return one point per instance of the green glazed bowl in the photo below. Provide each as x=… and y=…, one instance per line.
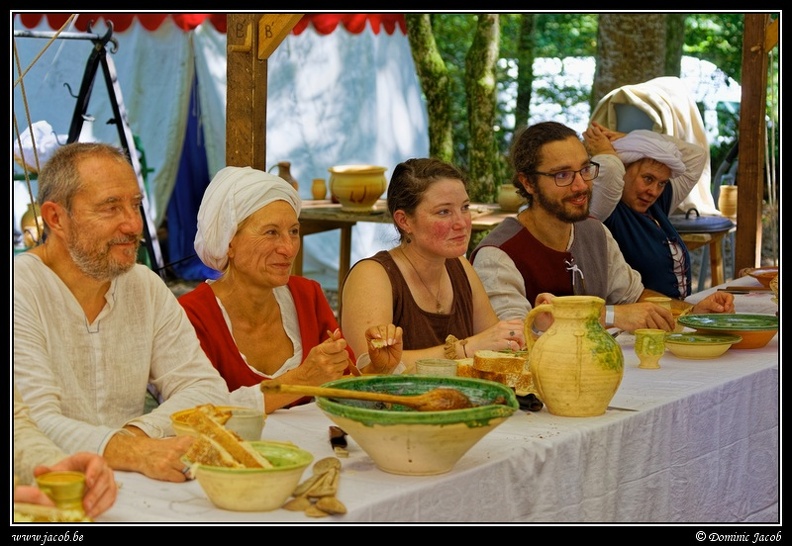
x=256, y=489
x=401, y=440
x=756, y=331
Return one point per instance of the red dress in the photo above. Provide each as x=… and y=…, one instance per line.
x=315, y=318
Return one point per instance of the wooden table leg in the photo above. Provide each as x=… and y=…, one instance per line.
x=344, y=261
x=716, y=259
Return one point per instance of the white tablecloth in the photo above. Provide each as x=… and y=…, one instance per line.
x=703, y=446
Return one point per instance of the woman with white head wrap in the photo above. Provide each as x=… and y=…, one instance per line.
x=643, y=177
x=257, y=321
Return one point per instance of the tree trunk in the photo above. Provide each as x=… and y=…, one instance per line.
x=675, y=41
x=630, y=50
x=481, y=90
x=435, y=83
x=525, y=76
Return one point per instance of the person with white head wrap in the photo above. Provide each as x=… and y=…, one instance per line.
x=642, y=144
x=234, y=194
x=643, y=178
x=257, y=322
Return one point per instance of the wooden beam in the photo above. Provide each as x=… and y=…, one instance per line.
x=251, y=39
x=272, y=30
x=753, y=139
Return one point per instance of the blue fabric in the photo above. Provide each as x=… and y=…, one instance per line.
x=191, y=182
x=645, y=245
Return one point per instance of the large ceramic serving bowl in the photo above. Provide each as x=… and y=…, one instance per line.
x=357, y=187
x=246, y=422
x=404, y=441
x=764, y=275
x=755, y=330
x=256, y=489
x=699, y=346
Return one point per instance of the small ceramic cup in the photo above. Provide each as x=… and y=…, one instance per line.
x=435, y=367
x=649, y=346
x=66, y=488
x=662, y=301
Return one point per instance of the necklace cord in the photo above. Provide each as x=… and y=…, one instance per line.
x=435, y=296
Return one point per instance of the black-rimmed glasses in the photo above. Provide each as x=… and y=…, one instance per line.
x=565, y=178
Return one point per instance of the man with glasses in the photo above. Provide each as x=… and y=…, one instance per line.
x=554, y=248
x=644, y=176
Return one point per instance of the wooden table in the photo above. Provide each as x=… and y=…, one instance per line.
x=323, y=215
x=715, y=241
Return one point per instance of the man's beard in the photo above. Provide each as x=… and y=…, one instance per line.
x=557, y=207
x=96, y=260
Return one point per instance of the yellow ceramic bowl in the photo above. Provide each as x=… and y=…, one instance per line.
x=404, y=441
x=256, y=489
x=246, y=422
x=357, y=187
x=700, y=346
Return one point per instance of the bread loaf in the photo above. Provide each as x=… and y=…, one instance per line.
x=508, y=368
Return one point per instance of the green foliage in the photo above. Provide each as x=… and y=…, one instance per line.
x=715, y=37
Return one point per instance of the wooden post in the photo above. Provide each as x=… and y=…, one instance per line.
x=251, y=39
x=753, y=141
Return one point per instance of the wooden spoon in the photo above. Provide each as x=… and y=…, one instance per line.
x=439, y=399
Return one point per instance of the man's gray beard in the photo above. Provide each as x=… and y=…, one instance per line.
x=94, y=266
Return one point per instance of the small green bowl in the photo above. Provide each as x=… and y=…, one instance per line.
x=402, y=440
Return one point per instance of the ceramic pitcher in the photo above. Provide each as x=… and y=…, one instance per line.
x=577, y=365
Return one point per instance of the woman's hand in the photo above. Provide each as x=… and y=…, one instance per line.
x=504, y=336
x=384, y=344
x=325, y=362
x=599, y=140
x=719, y=302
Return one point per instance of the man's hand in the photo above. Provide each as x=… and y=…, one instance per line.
x=157, y=458
x=630, y=316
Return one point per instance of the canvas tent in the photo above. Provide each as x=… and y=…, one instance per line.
x=341, y=88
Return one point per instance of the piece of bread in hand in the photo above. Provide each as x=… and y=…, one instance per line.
x=218, y=446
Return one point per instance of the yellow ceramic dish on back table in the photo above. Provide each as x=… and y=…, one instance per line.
x=696, y=346
x=764, y=275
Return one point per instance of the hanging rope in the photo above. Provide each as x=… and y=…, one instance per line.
x=21, y=82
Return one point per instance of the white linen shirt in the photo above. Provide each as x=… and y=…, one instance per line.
x=85, y=381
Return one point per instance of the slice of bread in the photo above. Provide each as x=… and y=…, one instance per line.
x=508, y=368
x=502, y=362
x=465, y=368
x=224, y=441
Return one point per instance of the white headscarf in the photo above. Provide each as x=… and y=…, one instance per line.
x=642, y=143
x=234, y=194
